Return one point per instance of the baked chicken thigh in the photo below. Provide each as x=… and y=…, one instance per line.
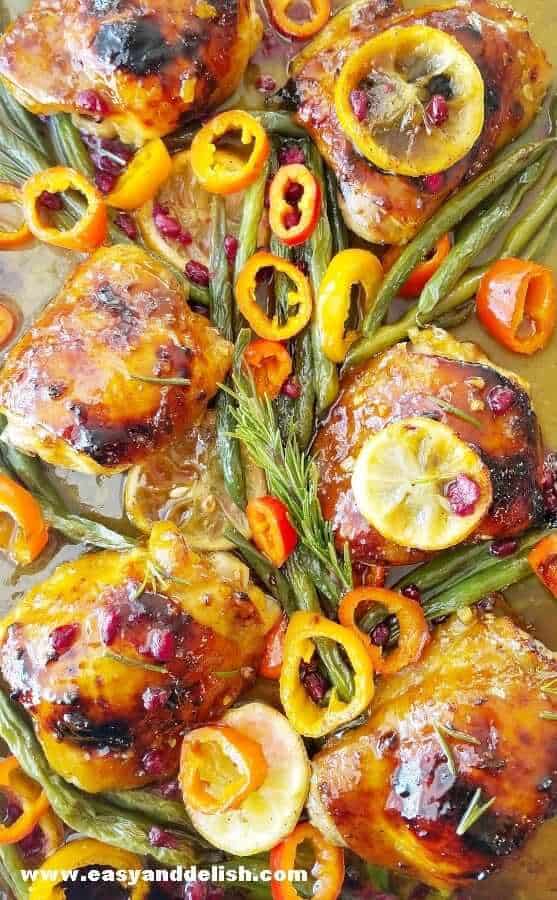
x=112, y=367
x=390, y=209
x=114, y=655
x=386, y=789
x=420, y=380
x=139, y=67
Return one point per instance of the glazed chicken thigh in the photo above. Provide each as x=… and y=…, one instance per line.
x=386, y=791
x=112, y=367
x=139, y=67
x=406, y=381
x=390, y=209
x=115, y=655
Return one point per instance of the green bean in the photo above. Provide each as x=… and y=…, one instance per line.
x=455, y=317
x=220, y=289
x=273, y=579
x=24, y=154
x=338, y=227
x=153, y=805
x=21, y=119
x=296, y=415
x=68, y=145
x=468, y=591
x=538, y=245
x=319, y=255
x=478, y=237
x=278, y=122
x=254, y=205
x=525, y=230
x=10, y=869
x=449, y=215
x=328, y=586
x=334, y=664
x=281, y=281
x=87, y=813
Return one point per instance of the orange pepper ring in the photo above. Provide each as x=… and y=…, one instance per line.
x=424, y=271
x=414, y=632
x=321, y=10
x=245, y=291
x=88, y=232
x=273, y=651
x=329, y=864
x=17, y=502
x=271, y=528
x=543, y=560
x=511, y=291
x=9, y=193
x=246, y=755
x=309, y=204
x=270, y=365
x=204, y=159
x=32, y=811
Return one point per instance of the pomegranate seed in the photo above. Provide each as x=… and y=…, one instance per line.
x=291, y=154
x=62, y=638
x=155, y=698
x=196, y=890
x=294, y=193
x=110, y=625
x=463, y=493
x=413, y=592
x=171, y=790
x=167, y=225
x=34, y=843
x=91, y=103
x=437, y=110
x=291, y=219
x=504, y=547
x=380, y=634
x=105, y=163
x=162, y=644
x=292, y=388
x=126, y=224
x=51, y=201
x=500, y=399
x=105, y=181
x=314, y=683
x=184, y=238
x=231, y=248
x=12, y=812
x=197, y=272
x=433, y=184
x=158, y=837
x=359, y=103
x=266, y=84
x=153, y=762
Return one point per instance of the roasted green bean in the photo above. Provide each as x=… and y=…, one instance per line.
x=68, y=145
x=10, y=869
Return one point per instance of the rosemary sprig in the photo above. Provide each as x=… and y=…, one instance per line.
x=451, y=763
x=153, y=379
x=457, y=412
x=473, y=812
x=458, y=735
x=549, y=715
x=135, y=663
x=291, y=474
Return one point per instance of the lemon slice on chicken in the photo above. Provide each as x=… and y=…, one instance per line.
x=411, y=100
x=420, y=486
x=270, y=813
x=183, y=198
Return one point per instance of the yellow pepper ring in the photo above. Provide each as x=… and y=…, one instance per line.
x=9, y=193
x=396, y=128
x=80, y=855
x=88, y=232
x=305, y=716
x=245, y=290
x=219, y=179
x=142, y=177
x=346, y=269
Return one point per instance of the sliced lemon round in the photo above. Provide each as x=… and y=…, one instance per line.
x=186, y=201
x=420, y=485
x=270, y=813
x=411, y=100
x=183, y=484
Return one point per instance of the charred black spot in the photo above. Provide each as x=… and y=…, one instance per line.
x=76, y=727
x=137, y=46
x=492, y=99
x=440, y=84
x=106, y=297
x=496, y=835
x=288, y=95
x=111, y=445
x=56, y=390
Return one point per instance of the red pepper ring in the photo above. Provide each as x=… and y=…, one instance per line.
x=299, y=29
x=293, y=218
x=271, y=529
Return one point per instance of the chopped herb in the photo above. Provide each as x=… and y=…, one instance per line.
x=473, y=812
x=459, y=413
x=458, y=735
x=230, y=673
x=549, y=715
x=550, y=686
x=135, y=663
x=451, y=764
x=154, y=379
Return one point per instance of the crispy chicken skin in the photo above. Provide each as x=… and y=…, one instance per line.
x=385, y=789
x=403, y=382
x=70, y=387
x=390, y=209
x=82, y=653
x=152, y=62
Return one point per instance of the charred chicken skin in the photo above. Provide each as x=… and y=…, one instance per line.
x=138, y=67
x=407, y=381
x=112, y=367
x=114, y=659
x=386, y=790
x=390, y=209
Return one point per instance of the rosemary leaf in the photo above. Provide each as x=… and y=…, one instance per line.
x=458, y=735
x=473, y=812
x=153, y=379
x=549, y=715
x=457, y=412
x=451, y=764
x=550, y=686
x=135, y=663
